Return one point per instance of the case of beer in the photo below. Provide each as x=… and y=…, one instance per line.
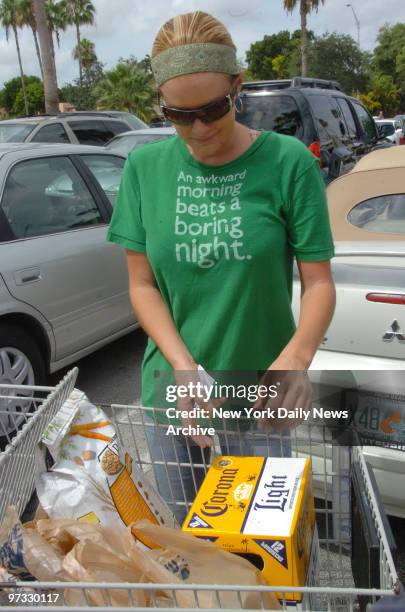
x=262, y=508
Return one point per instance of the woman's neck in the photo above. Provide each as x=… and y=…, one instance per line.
x=239, y=142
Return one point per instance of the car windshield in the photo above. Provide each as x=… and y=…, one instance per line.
x=386, y=129
x=271, y=112
x=126, y=144
x=15, y=132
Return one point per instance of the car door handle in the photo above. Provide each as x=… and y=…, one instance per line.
x=28, y=275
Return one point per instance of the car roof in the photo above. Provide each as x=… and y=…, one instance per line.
x=21, y=120
x=82, y=115
x=32, y=149
x=387, y=120
x=379, y=173
x=156, y=130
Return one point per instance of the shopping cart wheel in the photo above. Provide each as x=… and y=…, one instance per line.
x=21, y=363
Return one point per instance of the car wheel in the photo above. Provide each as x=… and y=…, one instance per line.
x=21, y=363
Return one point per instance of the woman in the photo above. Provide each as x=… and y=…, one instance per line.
x=211, y=220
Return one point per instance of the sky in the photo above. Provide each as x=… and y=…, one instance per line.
x=128, y=27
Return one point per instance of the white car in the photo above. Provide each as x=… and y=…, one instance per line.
x=128, y=141
x=391, y=129
x=364, y=347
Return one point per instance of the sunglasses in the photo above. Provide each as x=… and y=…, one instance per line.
x=207, y=114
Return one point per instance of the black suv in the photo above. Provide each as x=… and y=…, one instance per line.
x=336, y=127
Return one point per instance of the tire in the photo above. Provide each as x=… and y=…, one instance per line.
x=22, y=363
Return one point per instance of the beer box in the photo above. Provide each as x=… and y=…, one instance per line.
x=262, y=508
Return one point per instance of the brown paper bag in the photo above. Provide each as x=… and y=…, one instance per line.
x=186, y=559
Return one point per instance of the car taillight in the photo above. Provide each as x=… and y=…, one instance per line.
x=402, y=139
x=315, y=148
x=386, y=298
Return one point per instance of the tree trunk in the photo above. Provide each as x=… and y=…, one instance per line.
x=24, y=89
x=304, y=38
x=34, y=31
x=79, y=53
x=52, y=51
x=50, y=83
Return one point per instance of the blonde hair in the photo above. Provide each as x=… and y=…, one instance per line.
x=197, y=27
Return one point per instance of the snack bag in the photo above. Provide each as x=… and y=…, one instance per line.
x=24, y=553
x=93, y=479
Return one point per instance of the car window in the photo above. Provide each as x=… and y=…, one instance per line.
x=385, y=129
x=15, y=132
x=366, y=120
x=47, y=195
x=348, y=117
x=115, y=127
x=278, y=113
x=51, y=133
x=328, y=119
x=91, y=132
x=126, y=144
x=133, y=121
x=384, y=214
x=107, y=169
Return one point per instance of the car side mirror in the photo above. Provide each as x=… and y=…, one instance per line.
x=339, y=157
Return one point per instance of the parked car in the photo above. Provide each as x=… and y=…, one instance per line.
x=364, y=346
x=391, y=129
x=91, y=128
x=128, y=141
x=336, y=127
x=63, y=287
x=401, y=119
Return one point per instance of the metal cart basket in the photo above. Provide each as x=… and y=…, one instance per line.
x=26, y=411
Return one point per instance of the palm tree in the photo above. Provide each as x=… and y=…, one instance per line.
x=87, y=53
x=306, y=6
x=10, y=18
x=56, y=21
x=28, y=19
x=79, y=12
x=127, y=88
x=44, y=35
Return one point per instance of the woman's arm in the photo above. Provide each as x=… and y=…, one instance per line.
x=156, y=320
x=153, y=314
x=317, y=307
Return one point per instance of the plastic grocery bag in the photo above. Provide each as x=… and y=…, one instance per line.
x=93, y=479
x=183, y=558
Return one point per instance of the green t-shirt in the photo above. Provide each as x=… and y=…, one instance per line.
x=221, y=242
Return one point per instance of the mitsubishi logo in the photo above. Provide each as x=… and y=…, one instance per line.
x=394, y=333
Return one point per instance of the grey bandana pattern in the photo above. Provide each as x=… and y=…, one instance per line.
x=195, y=57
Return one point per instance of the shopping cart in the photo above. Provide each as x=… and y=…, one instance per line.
x=336, y=591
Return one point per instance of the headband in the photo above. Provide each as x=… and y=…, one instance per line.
x=195, y=57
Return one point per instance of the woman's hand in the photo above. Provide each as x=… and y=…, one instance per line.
x=289, y=375
x=198, y=396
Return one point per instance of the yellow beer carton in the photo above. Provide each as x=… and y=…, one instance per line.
x=262, y=508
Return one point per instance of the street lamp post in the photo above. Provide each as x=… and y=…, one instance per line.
x=357, y=23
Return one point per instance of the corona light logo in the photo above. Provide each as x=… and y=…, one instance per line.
x=218, y=502
x=274, y=496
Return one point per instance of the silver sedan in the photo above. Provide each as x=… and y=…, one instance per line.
x=128, y=141
x=63, y=287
